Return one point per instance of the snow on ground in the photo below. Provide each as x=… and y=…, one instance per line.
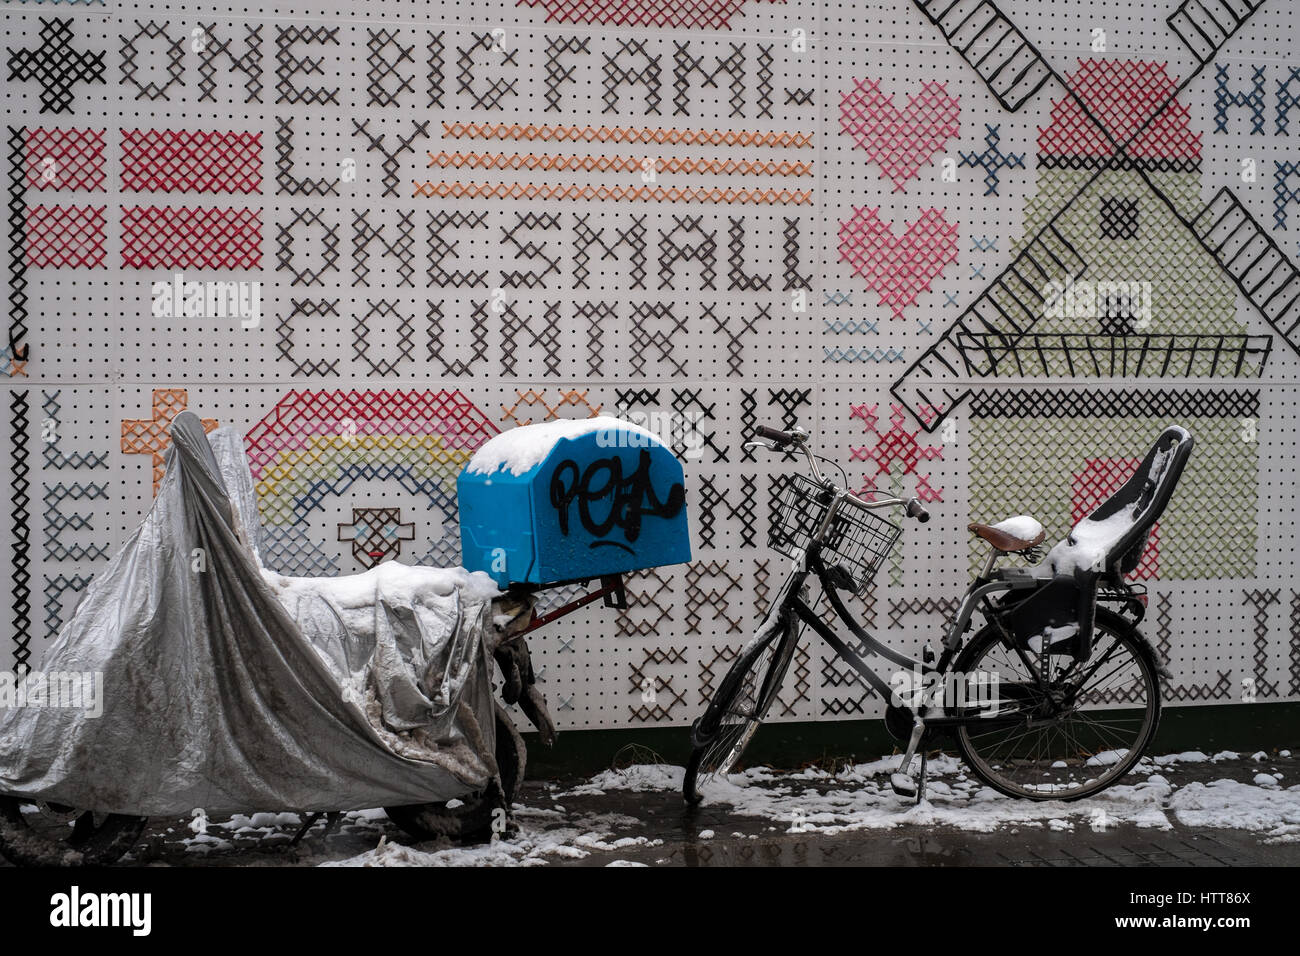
x=1266, y=807
x=535, y=844
x=859, y=798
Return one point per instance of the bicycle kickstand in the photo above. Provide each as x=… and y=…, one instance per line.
x=901, y=780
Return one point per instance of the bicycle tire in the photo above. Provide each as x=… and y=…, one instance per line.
x=1125, y=635
x=471, y=821
x=716, y=746
x=98, y=844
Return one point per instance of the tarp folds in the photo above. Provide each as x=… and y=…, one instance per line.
x=232, y=688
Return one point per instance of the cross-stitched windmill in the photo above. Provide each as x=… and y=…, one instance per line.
x=1101, y=129
x=1151, y=300
x=1121, y=272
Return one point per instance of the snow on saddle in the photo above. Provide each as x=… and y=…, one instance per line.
x=1014, y=534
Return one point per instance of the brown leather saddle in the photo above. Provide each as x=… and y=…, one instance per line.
x=1004, y=540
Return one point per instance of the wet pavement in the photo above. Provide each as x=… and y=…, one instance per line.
x=1225, y=811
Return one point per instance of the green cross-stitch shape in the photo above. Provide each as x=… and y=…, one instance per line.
x=1024, y=466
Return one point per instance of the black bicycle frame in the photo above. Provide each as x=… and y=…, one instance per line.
x=978, y=592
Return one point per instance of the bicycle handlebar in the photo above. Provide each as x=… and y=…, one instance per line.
x=782, y=440
x=775, y=435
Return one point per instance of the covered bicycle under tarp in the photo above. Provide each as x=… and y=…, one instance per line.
x=232, y=688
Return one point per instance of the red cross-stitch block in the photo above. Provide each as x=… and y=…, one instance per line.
x=179, y=238
x=900, y=139
x=65, y=159
x=897, y=268
x=200, y=161
x=1124, y=102
x=302, y=415
x=705, y=14
x=896, y=444
x=65, y=237
x=1099, y=479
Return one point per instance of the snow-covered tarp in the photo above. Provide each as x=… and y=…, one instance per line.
x=232, y=688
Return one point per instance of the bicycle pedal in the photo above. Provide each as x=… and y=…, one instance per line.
x=903, y=785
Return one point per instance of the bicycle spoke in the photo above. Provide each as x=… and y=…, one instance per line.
x=1072, y=737
x=752, y=683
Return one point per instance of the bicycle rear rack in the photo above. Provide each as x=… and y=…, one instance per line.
x=611, y=589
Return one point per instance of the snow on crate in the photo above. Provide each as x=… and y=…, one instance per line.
x=572, y=500
x=521, y=449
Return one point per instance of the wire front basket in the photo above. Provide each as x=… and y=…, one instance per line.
x=859, y=540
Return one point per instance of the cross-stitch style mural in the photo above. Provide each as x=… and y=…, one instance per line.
x=983, y=251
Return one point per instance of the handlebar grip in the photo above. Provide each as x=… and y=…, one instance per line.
x=774, y=435
x=917, y=510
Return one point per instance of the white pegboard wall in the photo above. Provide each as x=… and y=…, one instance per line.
x=534, y=307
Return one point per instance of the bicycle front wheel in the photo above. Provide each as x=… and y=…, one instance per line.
x=719, y=737
x=1072, y=735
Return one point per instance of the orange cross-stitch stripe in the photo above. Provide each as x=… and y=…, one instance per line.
x=759, y=197
x=627, y=134
x=619, y=164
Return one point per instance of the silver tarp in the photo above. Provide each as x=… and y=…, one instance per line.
x=233, y=689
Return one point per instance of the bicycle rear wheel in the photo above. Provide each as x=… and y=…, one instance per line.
x=1078, y=736
x=719, y=737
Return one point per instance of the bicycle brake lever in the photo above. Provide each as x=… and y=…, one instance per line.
x=760, y=444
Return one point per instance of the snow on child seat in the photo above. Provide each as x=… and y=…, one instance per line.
x=1092, y=540
x=525, y=447
x=1088, y=544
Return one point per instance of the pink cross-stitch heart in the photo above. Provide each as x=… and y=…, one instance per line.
x=897, y=268
x=900, y=142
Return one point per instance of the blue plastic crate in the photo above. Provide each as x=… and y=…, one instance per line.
x=569, y=500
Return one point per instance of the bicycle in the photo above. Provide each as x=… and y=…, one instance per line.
x=1030, y=698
